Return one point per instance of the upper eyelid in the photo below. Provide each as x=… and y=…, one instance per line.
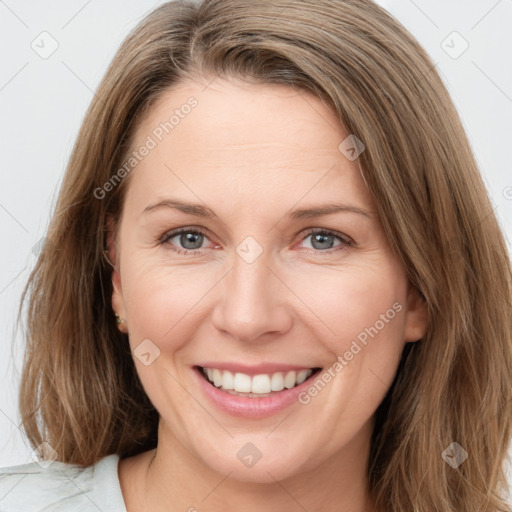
x=308, y=232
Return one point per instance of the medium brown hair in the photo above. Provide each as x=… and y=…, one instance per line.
x=80, y=391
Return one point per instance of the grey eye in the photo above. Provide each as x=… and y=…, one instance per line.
x=186, y=239
x=321, y=240
x=191, y=240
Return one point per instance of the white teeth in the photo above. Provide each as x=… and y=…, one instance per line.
x=277, y=382
x=302, y=376
x=217, y=378
x=290, y=379
x=261, y=384
x=242, y=383
x=228, y=380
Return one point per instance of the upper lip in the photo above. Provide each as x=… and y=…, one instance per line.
x=254, y=369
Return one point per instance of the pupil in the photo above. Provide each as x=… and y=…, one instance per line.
x=189, y=239
x=322, y=239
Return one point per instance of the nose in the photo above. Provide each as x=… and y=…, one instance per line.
x=252, y=301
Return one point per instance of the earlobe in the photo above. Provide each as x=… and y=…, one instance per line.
x=416, y=316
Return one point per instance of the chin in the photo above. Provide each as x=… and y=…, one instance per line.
x=259, y=461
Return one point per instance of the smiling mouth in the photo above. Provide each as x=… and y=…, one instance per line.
x=256, y=386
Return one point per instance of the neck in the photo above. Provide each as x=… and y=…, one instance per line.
x=176, y=480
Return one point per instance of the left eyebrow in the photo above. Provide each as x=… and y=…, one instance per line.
x=303, y=213
x=190, y=208
x=307, y=213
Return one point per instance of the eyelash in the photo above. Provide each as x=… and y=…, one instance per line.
x=346, y=242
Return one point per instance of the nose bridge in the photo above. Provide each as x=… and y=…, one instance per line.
x=250, y=280
x=251, y=301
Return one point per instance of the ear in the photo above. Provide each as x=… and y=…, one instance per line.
x=416, y=316
x=113, y=254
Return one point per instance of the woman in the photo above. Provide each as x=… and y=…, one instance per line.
x=275, y=279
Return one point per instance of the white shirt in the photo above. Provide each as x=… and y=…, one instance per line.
x=62, y=487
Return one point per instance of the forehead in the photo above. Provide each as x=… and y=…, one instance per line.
x=262, y=139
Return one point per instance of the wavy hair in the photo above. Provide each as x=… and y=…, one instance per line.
x=79, y=389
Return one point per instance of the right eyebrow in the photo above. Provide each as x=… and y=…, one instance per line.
x=190, y=208
x=303, y=213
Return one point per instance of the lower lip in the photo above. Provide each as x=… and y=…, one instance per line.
x=250, y=407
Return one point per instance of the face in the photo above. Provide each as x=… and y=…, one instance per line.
x=249, y=253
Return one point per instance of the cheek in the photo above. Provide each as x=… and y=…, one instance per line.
x=354, y=302
x=165, y=303
x=362, y=314
x=339, y=304
x=162, y=305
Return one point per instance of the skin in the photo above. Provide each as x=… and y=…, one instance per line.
x=252, y=153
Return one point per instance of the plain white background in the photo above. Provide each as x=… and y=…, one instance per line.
x=43, y=99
